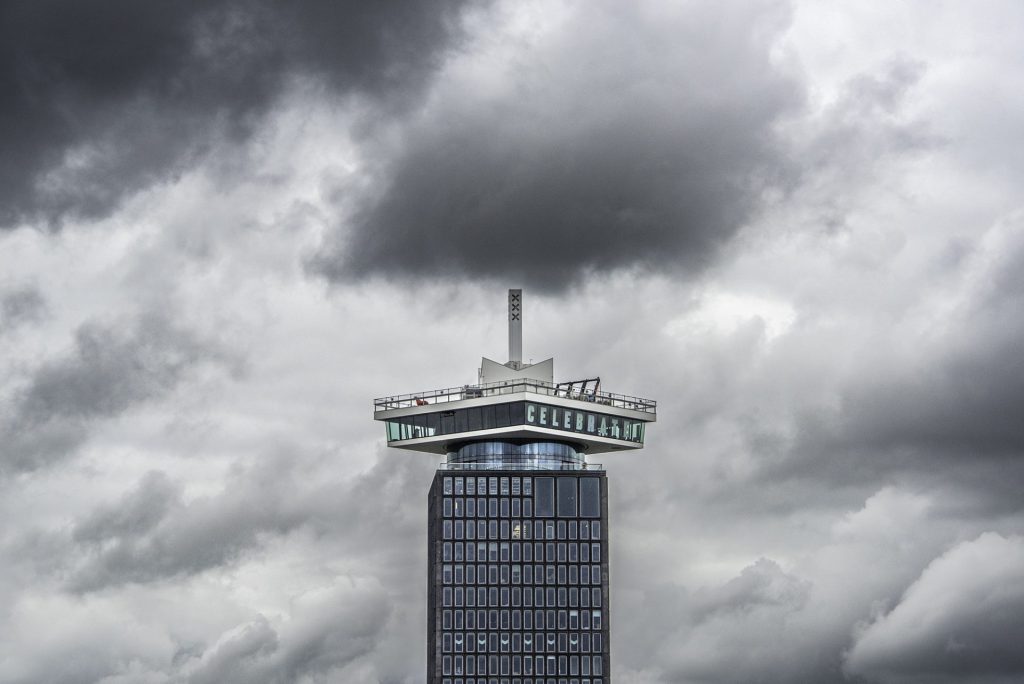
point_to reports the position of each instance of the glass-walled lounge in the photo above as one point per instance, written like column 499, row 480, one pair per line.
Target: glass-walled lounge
column 571, row 420
column 516, row 456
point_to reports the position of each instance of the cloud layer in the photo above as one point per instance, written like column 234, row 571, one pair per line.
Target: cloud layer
column 227, row 226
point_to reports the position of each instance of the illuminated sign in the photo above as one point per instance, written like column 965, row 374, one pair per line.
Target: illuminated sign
column 586, row 422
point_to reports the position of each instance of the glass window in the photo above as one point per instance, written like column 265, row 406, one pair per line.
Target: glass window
column 574, row 574
column 504, row 506
column 566, row 497
column 459, row 556
column 573, row 552
column 471, row 486
column 492, row 507
column 584, row 529
column 561, row 529
column 447, row 485
column 501, row 415
column 461, row 421
column 590, row 497
column 528, row 508
column 516, row 486
column 475, row 417
column 489, row 417
column 596, row 594
column 595, row 530
column 459, row 486
column 573, row 529
column 549, row 530
column 517, row 413
column 595, row 552
column 446, row 529
column 493, row 486
column 458, row 529
column 527, row 486
column 459, row 507
column 516, row 508
column 585, row 553
column 470, row 507
column 504, row 486
column 433, row 424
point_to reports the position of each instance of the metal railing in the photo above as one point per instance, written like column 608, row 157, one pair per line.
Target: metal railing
column 442, row 396
column 519, row 466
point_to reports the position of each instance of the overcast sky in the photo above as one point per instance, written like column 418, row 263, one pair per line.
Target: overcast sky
column 225, row 227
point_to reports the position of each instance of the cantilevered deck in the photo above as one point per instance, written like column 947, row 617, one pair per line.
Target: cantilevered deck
column 565, row 390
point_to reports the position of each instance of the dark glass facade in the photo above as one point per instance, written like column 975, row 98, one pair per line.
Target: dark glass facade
column 476, row 418
column 518, row 577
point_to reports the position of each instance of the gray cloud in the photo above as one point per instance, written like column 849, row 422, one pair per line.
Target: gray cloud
column 628, row 137
column 961, row 621
column 109, row 371
column 329, row 630
column 104, row 101
column 946, row 400
column 20, row 306
column 153, row 534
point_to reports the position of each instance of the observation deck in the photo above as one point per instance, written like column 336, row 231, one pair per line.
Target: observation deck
column 438, row 421
column 516, row 416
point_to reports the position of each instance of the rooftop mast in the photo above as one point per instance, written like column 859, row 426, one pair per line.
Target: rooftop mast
column 515, row 329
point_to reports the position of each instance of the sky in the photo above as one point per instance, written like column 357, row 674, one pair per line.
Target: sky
column 227, row 226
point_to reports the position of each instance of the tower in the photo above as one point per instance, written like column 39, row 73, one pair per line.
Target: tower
column 518, row 518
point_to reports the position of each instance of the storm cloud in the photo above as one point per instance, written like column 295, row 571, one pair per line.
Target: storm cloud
column 109, row 371
column 591, row 149
column 104, row 101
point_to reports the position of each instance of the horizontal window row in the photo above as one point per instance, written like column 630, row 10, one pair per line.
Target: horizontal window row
column 505, row 507
column 458, row 573
column 520, row 529
column 560, row 552
column 562, row 497
column 537, row 598
column 516, row 619
column 518, row 680
column 519, row 642
column 572, row 666
column 483, row 485
column 527, row 597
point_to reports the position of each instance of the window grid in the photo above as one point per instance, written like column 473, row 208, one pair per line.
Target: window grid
column 532, row 600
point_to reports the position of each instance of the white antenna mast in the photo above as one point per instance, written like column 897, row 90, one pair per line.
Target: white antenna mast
column 515, row 329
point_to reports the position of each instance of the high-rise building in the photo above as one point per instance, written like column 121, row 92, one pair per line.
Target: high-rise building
column 518, row 528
